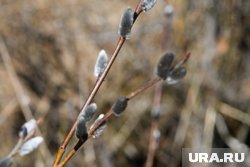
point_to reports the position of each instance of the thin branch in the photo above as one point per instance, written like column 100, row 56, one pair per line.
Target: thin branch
column 153, row 141
column 105, row 118
column 99, row 82
column 152, row 145
column 144, row 87
column 109, row 113
column 89, row 99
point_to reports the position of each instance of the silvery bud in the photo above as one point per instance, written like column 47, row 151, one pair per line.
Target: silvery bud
column 101, row 127
column 164, row 65
column 148, row 4
column 126, row 23
column 99, row 130
column 101, row 63
column 97, row 120
column 169, row 10
column 89, row 112
column 155, row 113
column 30, row 145
column 157, row 135
column 81, row 129
column 120, row 105
column 176, row 75
column 28, row 127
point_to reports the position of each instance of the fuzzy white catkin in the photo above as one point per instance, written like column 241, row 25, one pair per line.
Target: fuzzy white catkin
column 120, row 105
column 169, row 10
column 89, row 112
column 29, row 126
column 156, row 134
column 176, row 75
column 97, row 120
column 30, row 145
column 99, row 131
column 148, row 4
column 101, row 63
column 126, row 23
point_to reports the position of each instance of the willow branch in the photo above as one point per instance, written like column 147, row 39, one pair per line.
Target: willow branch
column 99, row 82
column 104, row 119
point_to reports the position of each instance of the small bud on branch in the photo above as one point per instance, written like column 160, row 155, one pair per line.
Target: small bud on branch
column 126, row 23
column 176, row 75
column 148, row 4
column 172, row 74
column 81, row 129
column 89, row 112
column 119, row 106
column 27, row 128
column 101, row 63
column 30, row 145
column 99, row 130
column 164, row 65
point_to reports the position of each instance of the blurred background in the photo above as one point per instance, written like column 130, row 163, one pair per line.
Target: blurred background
column 48, row 52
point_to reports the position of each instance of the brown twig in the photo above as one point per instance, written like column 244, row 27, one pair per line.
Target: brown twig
column 109, row 113
column 144, row 87
column 153, row 141
column 99, row 82
column 89, row 99
column 105, row 118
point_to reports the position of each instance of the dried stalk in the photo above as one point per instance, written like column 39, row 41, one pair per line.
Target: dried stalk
column 20, row 94
column 153, row 141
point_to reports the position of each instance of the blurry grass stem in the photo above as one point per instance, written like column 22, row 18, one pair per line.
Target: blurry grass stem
column 153, row 139
column 22, row 98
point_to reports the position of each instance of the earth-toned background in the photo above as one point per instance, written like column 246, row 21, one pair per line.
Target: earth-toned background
column 53, row 46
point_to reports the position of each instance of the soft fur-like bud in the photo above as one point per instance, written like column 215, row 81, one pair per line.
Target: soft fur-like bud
column 30, row 145
column 28, row 127
column 164, row 65
column 101, row 63
column 148, row 4
column 99, row 130
column 126, row 23
column 89, row 112
column 176, row 75
column 81, row 129
column 120, row 105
